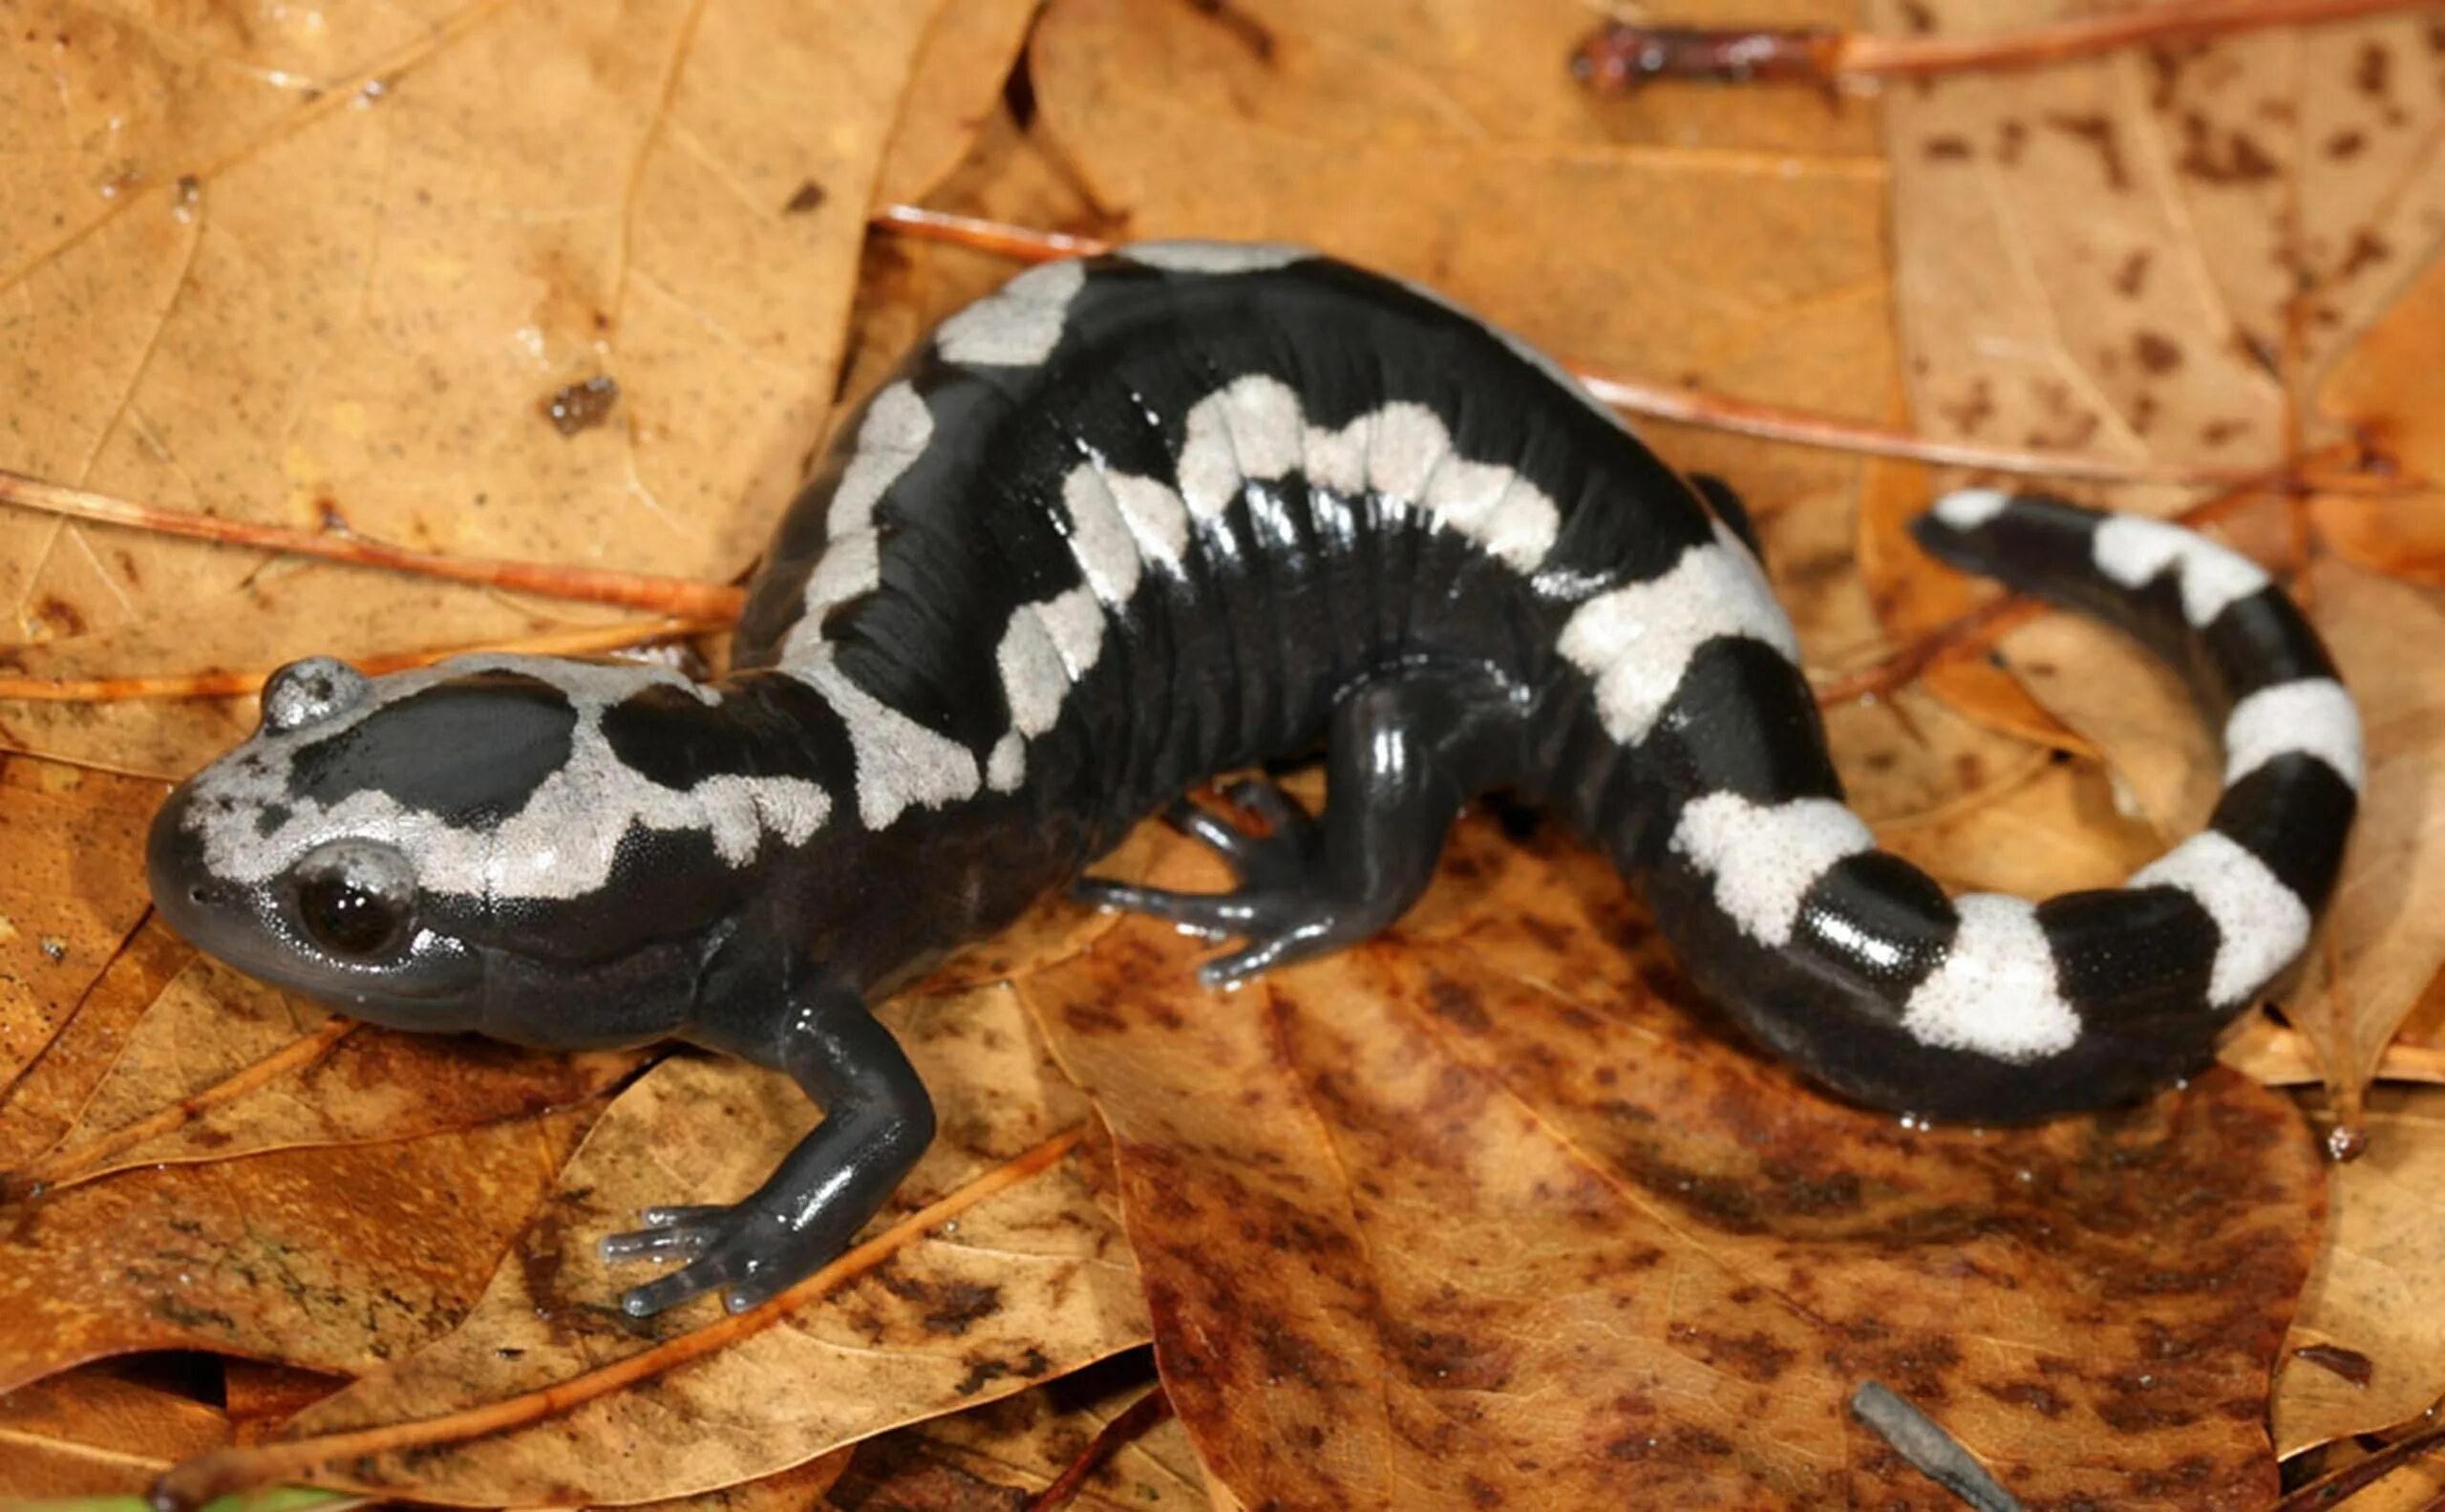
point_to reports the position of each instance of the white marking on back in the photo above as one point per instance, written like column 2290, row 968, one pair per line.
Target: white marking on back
column 1405, row 446
column 1635, row 642
column 1033, row 676
column 560, row 844
column 1019, row 325
column 1008, row 766
column 1157, row 517
column 1076, row 622
column 2133, row 550
column 1249, row 429
column 896, row 429
column 1996, row 991
column 1099, row 536
column 2315, row 716
column 1765, row 857
column 1968, row 508
column 2261, row 924
column 901, row 763
column 850, row 566
column 1492, row 505
column 1215, row 257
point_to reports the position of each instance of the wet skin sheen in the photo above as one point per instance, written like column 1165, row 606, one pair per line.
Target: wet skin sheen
column 1139, row 520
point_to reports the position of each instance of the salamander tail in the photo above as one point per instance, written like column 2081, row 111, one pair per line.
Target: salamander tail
column 1991, row 1008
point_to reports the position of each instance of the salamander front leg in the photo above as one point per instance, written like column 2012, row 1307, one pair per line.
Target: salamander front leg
column 1404, row 753
column 877, row 1120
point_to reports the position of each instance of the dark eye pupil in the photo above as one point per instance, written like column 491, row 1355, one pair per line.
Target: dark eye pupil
column 346, row 917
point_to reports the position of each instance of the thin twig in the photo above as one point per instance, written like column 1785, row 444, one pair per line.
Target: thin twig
column 1674, row 402
column 1960, row 635
column 1775, row 422
column 1133, row 1423
column 585, row 641
column 1976, row 629
column 76, row 1160
column 680, row 598
column 225, row 1471
column 1617, row 59
column 2332, row 1490
column 1018, row 243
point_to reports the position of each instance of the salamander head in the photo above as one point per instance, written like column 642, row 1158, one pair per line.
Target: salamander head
column 421, row 849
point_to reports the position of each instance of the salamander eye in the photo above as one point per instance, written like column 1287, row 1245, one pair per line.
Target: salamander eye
column 355, row 898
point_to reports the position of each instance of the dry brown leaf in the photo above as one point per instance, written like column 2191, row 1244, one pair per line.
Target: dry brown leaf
column 368, row 1086
column 2367, row 1349
column 1029, row 1284
column 1418, row 1233
column 2129, row 707
column 2058, row 830
column 334, row 1258
column 1912, row 601
column 72, row 887
column 2245, row 207
column 2390, row 391
column 338, row 268
column 285, row 611
column 259, row 1396
column 1021, row 1445
column 46, row 1100
column 2386, row 928
column 1416, row 71
column 90, row 1432
column 954, row 92
column 1746, row 273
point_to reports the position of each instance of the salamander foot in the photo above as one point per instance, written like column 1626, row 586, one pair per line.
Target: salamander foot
column 1284, row 905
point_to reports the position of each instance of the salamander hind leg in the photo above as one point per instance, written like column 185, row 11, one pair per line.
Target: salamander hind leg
column 1404, row 752
column 878, row 1121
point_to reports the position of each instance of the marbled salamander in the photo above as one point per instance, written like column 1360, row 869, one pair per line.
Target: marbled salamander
column 1136, row 520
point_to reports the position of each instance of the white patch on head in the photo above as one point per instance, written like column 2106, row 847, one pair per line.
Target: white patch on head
column 2132, row 550
column 562, row 841
column 1019, row 325
column 901, row 763
column 2315, row 716
column 1635, row 642
column 1765, row 857
column 2261, row 924
column 1996, row 992
column 1968, row 508
column 1215, row 257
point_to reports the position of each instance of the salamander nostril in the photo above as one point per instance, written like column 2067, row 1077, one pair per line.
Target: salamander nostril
column 199, row 893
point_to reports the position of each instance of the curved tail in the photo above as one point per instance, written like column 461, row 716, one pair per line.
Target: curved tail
column 1991, row 1008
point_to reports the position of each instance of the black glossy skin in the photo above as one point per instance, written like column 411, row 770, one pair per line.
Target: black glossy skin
column 1431, row 670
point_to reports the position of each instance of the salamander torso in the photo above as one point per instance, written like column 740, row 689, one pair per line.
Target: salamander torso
column 1139, row 519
